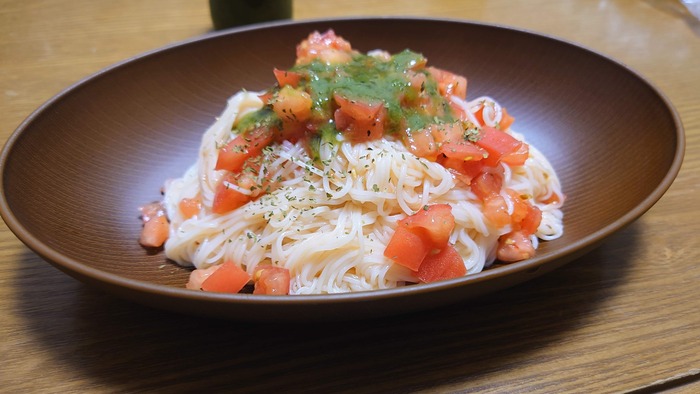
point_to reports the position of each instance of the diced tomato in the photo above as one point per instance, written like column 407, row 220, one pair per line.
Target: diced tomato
column 286, row 77
column 226, row 198
column 415, row 90
column 518, row 157
column 449, row 84
column 327, row 47
column 531, row 221
column 421, row 143
column 292, row 105
column 232, row 157
column 486, row 183
column 267, row 97
column 271, row 280
column 198, row 276
column 190, row 207
column 497, row 143
column 496, row 210
column 446, row 264
column 506, row 120
column 525, row 217
column 448, row 132
column 408, row 248
column 156, row 228
column 514, row 246
column 435, row 220
column 229, row 278
column 359, row 120
column 463, row 150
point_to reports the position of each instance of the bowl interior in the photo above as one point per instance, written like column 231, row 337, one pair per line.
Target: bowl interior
column 77, row 170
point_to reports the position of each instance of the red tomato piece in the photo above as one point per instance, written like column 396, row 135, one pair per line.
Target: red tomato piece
column 286, row 77
column 518, row 157
column 497, row 143
column 271, row 280
column 190, row 207
column 226, row 198
column 496, row 210
column 531, row 221
column 292, row 105
column 463, row 150
column 446, row 264
column 229, row 278
column 233, row 156
column 421, row 143
column 359, row 120
column 506, row 120
column 449, row 84
column 486, row 183
column 326, row 47
column 436, row 222
column 407, row 248
column 156, row 228
column 514, row 246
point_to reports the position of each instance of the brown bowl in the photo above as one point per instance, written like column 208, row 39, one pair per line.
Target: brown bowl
column 75, row 172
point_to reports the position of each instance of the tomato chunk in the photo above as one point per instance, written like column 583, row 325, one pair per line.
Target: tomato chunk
column 327, row 47
column 446, row 264
column 518, row 157
column 286, row 77
column 436, row 221
column 271, row 280
column 514, row 246
column 449, row 84
column 156, row 228
column 407, row 248
column 497, row 143
column 463, row 150
column 189, row 207
column 292, row 105
column 359, row 120
column 506, row 120
column 233, row 155
column 229, row 278
column 486, row 183
column 227, row 198
column 496, row 210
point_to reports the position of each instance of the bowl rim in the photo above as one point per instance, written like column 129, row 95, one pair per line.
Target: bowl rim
column 74, row 267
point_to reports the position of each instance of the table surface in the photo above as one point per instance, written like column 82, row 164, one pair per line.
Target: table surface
column 623, row 318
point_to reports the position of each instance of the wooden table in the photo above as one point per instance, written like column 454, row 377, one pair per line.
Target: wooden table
column 623, row 318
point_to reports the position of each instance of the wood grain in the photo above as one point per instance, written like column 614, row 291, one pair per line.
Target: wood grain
column 620, row 319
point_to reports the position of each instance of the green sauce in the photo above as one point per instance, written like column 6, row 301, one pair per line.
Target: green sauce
column 365, row 79
column 369, row 79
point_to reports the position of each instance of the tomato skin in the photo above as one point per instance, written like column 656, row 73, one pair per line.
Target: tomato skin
column 233, row 155
column 407, row 248
column 497, row 143
column 436, row 221
column 229, row 278
column 226, row 198
column 271, row 280
column 446, row 264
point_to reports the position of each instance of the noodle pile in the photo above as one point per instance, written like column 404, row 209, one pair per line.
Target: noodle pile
column 329, row 221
